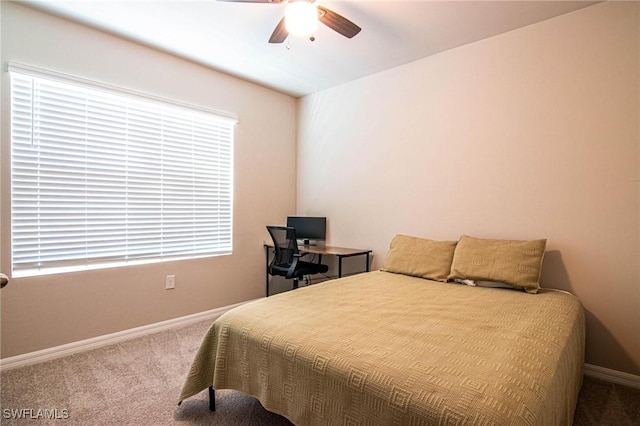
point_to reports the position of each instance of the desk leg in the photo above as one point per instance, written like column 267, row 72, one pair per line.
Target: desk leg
column 366, row 268
column 339, row 266
column 266, row 251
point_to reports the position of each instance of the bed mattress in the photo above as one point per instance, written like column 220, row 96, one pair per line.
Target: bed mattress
column 384, row 349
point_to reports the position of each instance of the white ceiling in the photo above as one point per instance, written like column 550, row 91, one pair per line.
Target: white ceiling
column 232, row 37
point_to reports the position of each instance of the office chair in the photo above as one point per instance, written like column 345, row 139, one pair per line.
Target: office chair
column 286, row 261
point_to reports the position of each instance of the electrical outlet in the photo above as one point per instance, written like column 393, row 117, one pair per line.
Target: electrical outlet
column 170, row 282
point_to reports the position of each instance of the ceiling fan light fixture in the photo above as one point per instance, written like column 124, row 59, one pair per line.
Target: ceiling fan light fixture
column 301, row 18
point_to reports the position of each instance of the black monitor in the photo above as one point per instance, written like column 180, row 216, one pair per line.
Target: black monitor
column 309, row 228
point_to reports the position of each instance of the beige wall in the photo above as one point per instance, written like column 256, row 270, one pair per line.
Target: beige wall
column 52, row 310
column 530, row 134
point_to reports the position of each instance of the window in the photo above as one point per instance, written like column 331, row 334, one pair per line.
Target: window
column 102, row 176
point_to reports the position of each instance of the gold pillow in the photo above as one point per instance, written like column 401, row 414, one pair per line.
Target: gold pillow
column 517, row 263
column 420, row 257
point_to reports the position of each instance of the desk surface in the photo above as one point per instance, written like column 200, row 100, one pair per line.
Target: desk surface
column 330, row 250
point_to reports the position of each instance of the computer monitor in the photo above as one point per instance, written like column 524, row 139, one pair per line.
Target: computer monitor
column 309, row 229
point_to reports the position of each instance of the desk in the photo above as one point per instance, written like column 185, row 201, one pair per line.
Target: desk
column 339, row 252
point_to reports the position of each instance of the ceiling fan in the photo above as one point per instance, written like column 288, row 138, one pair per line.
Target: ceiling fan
column 301, row 18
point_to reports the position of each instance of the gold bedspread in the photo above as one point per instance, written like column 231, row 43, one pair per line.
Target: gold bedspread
column 388, row 349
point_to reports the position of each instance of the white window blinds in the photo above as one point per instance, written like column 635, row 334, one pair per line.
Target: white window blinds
column 102, row 177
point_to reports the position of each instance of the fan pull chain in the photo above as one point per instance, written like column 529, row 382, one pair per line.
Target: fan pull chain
column 288, row 45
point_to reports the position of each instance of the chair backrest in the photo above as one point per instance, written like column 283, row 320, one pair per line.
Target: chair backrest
column 285, row 243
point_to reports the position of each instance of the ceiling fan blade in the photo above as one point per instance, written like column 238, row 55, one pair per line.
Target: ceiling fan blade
column 280, row 33
column 337, row 22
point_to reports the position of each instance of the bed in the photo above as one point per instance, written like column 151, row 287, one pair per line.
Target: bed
column 385, row 348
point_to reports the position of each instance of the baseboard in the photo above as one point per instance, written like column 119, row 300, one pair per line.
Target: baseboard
column 612, row 376
column 108, row 339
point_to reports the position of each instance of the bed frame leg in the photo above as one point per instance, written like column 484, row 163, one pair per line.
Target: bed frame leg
column 212, row 399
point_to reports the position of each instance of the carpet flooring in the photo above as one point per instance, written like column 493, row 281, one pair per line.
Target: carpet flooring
column 137, row 382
